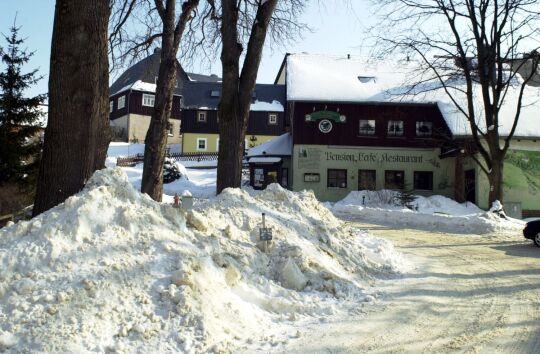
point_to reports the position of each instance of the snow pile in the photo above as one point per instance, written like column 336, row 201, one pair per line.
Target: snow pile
column 112, row 271
column 437, row 213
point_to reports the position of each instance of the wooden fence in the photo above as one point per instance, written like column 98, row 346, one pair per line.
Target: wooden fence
column 24, row 213
column 132, row 160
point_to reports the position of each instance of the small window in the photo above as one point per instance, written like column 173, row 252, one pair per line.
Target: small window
column 111, row 106
column 121, row 102
column 424, row 129
column 201, row 144
column 170, row 127
column 423, row 180
column 367, row 127
column 215, row 93
column 179, row 127
column 272, row 118
column 201, row 117
column 394, row 179
column 367, row 180
column 148, row 100
column 395, row 128
column 337, row 179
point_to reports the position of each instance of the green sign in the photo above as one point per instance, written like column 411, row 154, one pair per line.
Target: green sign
column 329, row 115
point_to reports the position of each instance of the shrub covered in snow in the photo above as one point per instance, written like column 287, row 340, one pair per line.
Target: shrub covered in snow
column 171, row 170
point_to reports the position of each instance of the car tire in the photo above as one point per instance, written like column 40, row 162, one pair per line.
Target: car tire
column 536, row 239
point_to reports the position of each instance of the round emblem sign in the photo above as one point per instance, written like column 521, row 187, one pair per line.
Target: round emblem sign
column 325, row 126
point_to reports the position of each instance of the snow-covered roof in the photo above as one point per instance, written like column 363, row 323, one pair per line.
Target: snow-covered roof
column 274, row 106
column 341, row 79
column 279, row 146
column 264, row 159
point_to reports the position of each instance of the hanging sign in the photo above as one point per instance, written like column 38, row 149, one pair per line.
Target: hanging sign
column 325, row 126
column 327, row 115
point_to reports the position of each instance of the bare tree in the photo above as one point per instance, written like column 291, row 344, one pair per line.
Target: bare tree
column 168, row 27
column 156, row 137
column 77, row 134
column 242, row 23
column 473, row 50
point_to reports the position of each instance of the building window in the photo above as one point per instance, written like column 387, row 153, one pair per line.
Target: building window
column 337, row 179
column 201, row 144
column 284, row 177
column 201, row 117
column 394, row 179
column 121, row 102
column 423, row 180
column 367, row 180
column 170, row 127
column 367, row 127
column 179, row 128
column 272, row 118
column 395, row 128
column 148, row 100
column 424, row 129
column 111, row 106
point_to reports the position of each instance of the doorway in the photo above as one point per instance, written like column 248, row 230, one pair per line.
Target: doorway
column 470, row 186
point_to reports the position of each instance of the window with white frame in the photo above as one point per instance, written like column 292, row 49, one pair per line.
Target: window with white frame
column 201, row 116
column 272, row 118
column 424, row 129
column 148, row 100
column 201, row 144
column 111, row 106
column 367, row 127
column 395, row 128
column 121, row 102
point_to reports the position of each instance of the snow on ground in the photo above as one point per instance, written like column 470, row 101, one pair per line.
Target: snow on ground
column 435, row 213
column 110, row 270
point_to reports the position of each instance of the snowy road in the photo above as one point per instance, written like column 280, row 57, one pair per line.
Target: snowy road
column 469, row 294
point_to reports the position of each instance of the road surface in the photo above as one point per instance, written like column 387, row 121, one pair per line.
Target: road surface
column 467, row 294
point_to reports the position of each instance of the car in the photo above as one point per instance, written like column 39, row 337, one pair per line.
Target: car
column 532, row 231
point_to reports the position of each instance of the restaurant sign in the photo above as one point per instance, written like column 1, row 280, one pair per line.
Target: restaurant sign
column 374, row 157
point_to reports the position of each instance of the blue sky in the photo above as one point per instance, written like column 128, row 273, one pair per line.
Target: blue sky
column 337, row 29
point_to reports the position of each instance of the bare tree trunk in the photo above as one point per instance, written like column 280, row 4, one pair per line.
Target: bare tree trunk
column 495, row 178
column 77, row 134
column 237, row 88
column 156, row 137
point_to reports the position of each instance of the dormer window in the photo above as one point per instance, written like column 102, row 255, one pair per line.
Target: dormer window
column 201, row 116
column 424, row 129
column 272, row 118
column 395, row 128
column 366, row 79
column 367, row 127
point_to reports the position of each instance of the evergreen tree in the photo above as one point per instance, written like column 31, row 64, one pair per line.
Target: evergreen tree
column 20, row 145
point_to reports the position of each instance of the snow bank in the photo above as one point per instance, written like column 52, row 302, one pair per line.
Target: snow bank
column 437, row 213
column 112, row 271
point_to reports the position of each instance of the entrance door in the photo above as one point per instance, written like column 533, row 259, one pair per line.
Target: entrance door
column 470, row 186
column 367, row 180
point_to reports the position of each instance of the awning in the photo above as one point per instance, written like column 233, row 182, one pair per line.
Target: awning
column 265, row 160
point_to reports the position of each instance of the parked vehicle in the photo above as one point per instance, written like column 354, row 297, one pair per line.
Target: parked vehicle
column 532, row 231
